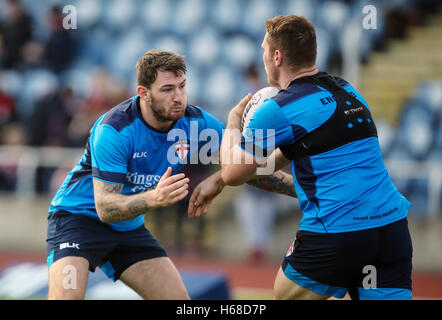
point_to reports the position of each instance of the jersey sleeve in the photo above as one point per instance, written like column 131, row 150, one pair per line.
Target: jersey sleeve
column 268, row 129
column 109, row 153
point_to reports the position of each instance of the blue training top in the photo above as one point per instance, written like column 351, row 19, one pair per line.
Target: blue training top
column 345, row 188
column 123, row 148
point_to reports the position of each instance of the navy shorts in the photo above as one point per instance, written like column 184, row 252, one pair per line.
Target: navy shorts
column 368, row 264
column 113, row 251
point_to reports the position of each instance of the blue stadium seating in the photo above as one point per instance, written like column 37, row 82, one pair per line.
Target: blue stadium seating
column 416, row 131
column 36, row 85
column 332, row 16
column 226, row 15
column 419, row 138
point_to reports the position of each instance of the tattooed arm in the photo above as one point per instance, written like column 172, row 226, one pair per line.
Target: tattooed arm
column 112, row 206
column 279, row 182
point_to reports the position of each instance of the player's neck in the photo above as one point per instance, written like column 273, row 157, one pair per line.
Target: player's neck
column 287, row 78
column 149, row 117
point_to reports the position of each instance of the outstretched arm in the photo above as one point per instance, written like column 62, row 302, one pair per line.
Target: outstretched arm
column 207, row 190
column 204, row 193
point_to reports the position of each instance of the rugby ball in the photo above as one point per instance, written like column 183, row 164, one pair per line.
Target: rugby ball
column 257, row 99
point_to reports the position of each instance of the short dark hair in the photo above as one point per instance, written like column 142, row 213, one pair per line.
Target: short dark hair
column 158, row 60
column 295, row 37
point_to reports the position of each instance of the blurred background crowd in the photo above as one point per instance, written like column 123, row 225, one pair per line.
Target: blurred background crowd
column 55, row 82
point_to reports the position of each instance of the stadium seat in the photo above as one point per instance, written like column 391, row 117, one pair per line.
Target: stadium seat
column 371, row 36
column 430, row 94
column 398, row 153
column 155, row 15
column 220, row 91
column 255, row 17
column 226, row 15
column 323, row 50
column 417, row 194
column 93, row 47
column 204, row 47
column 119, row 15
column 125, row 52
column 36, row 85
column 354, row 40
column 386, row 135
column 188, row 16
column 11, row 82
column 239, row 51
column 194, row 81
column 169, row 43
column 89, row 13
column 79, row 78
column 435, row 156
column 419, row 138
column 417, row 130
column 333, row 16
column 301, row 8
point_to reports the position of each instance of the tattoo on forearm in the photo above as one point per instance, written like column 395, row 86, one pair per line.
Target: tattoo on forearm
column 113, row 213
column 115, row 207
column 137, row 206
column 279, row 182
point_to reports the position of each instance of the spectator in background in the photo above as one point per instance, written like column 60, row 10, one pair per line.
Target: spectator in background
column 11, row 134
column 103, row 94
column 15, row 32
column 59, row 50
column 56, row 53
column 50, row 118
column 7, row 108
column 32, row 53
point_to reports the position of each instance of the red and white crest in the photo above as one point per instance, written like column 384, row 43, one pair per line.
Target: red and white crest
column 182, row 148
column 290, row 250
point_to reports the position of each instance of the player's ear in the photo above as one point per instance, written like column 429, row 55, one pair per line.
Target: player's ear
column 278, row 57
column 143, row 92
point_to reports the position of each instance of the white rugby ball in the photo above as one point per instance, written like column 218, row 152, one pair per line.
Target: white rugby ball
column 257, row 99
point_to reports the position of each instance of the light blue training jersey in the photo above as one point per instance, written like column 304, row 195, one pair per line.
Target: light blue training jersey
column 343, row 189
column 122, row 148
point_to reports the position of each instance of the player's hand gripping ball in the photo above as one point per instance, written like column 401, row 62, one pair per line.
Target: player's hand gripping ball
column 257, row 99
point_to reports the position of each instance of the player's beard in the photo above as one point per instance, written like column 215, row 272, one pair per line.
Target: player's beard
column 164, row 114
column 272, row 75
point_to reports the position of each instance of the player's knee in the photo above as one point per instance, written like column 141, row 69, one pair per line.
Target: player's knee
column 182, row 295
column 66, row 289
column 278, row 292
column 180, row 292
